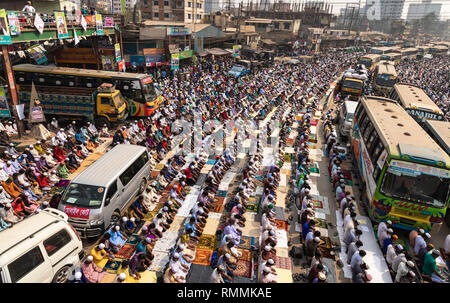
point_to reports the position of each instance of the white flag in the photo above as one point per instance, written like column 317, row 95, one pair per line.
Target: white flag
column 39, row 23
column 83, row 23
column 75, row 36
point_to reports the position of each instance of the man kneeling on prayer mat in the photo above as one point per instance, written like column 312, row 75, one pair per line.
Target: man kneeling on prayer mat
column 173, row 275
column 92, row 272
column 100, row 256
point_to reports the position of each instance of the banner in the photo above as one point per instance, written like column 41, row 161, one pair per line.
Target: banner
column 37, row 54
column 235, row 51
column 151, row 60
column 4, row 107
column 107, row 63
column 39, row 23
column 36, row 112
column 83, row 23
column 123, row 6
column 109, row 22
column 178, row 31
column 14, row 25
column 61, row 26
column 99, row 24
column 184, row 54
column 75, row 37
column 5, row 38
column 117, row 52
column 20, row 111
column 121, row 65
column 153, row 51
column 175, row 62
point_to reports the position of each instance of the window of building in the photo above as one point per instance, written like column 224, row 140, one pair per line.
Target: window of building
column 166, row 3
column 189, row 16
column 287, row 25
column 166, row 15
column 156, row 15
column 189, row 5
column 155, row 3
column 199, row 16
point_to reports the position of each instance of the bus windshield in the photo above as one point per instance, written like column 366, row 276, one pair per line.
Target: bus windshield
column 118, row 100
column 150, row 92
column 352, row 84
column 83, row 195
column 427, row 189
column 366, row 62
column 385, row 80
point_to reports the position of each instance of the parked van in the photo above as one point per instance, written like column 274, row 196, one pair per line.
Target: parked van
column 96, row 197
column 346, row 117
column 41, row 248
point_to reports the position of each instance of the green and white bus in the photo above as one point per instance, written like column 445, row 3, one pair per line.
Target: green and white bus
column 405, row 173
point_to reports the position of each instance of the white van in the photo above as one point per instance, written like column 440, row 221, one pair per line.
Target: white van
column 346, row 117
column 40, row 249
column 96, row 197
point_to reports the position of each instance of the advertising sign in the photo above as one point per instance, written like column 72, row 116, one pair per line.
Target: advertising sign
column 107, row 63
column 37, row 54
column 117, row 52
column 178, row 31
column 175, row 62
column 109, row 22
column 4, row 107
column 99, row 24
column 61, row 26
column 83, row 23
column 235, row 51
column 14, row 25
column 5, row 37
column 153, row 51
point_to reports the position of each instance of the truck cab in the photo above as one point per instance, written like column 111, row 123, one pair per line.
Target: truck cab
column 110, row 105
column 242, row 68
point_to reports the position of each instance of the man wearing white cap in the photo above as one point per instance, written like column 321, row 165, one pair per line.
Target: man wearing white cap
column 267, row 276
column 61, row 135
column 121, row 278
column 11, row 150
column 403, row 269
column 217, row 275
column 420, row 242
column 92, row 272
column 100, row 255
column 9, row 215
column 386, row 233
column 383, row 227
column 390, row 254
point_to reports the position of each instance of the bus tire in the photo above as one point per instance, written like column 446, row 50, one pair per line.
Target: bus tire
column 100, row 121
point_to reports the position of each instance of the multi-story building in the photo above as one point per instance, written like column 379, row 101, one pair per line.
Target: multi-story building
column 384, row 9
column 117, row 6
column 420, row 10
column 188, row 11
column 212, row 6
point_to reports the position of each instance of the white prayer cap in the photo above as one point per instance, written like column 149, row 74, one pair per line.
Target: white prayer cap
column 124, row 219
column 200, row 211
column 38, row 210
column 144, row 228
column 271, row 233
column 78, row 275
column 227, row 255
column 428, row 235
column 122, row 276
column 389, row 222
column 132, row 219
column 61, row 129
column 7, row 152
column 9, row 162
column 170, row 202
column 270, row 261
column 176, row 255
column 101, row 246
column 14, row 157
column 181, row 246
column 267, row 248
column 8, row 205
column 399, row 247
column 11, row 144
column 27, row 194
column 422, row 231
column 90, row 258
column 317, row 239
column 390, row 230
column 410, row 264
column 266, row 269
column 165, row 208
column 117, row 227
column 38, row 142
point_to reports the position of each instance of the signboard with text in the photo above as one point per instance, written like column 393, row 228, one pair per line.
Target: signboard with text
column 61, row 26
column 4, row 107
column 5, row 37
column 178, row 31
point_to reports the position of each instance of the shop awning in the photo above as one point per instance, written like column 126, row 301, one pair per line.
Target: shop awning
column 217, row 51
column 268, row 41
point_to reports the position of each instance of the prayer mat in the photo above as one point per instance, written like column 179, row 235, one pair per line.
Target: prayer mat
column 317, row 204
column 314, row 167
column 154, row 174
column 246, row 242
column 211, row 162
column 112, row 266
column 214, row 215
column 218, row 200
column 252, row 207
column 246, row 254
column 259, row 177
column 207, row 242
column 347, row 174
column 203, row 256
column 287, row 157
column 159, row 166
column 243, row 269
column 286, row 171
column 126, row 251
column 284, row 276
column 221, row 193
column 133, row 239
column 284, row 263
column 321, row 223
column 211, row 226
column 348, row 182
column 150, row 215
column 281, row 224
column 216, row 208
column 314, row 122
column 325, row 242
column 63, row 183
column 313, row 138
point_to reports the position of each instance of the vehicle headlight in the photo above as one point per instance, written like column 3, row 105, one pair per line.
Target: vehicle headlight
column 96, row 222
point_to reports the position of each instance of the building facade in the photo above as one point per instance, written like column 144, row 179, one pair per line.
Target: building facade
column 420, row 10
column 188, row 11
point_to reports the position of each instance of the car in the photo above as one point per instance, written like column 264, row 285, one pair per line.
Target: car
column 238, row 71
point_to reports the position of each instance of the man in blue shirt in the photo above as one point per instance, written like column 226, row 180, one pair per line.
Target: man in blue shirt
column 306, row 228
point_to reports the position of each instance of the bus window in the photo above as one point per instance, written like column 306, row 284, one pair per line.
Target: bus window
column 362, row 118
column 375, row 154
column 21, row 77
column 359, row 110
column 41, row 79
column 69, row 81
column 367, row 132
column 89, row 83
column 59, row 80
column 372, row 137
column 364, row 123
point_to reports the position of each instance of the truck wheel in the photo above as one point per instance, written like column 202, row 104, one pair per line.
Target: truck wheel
column 142, row 186
column 115, row 217
column 100, row 121
column 62, row 275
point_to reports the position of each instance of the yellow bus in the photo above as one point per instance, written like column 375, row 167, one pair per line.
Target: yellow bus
column 142, row 97
column 441, row 50
column 409, row 53
column 384, row 78
column 394, row 57
column 416, row 102
column 382, row 50
column 404, row 172
column 369, row 60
